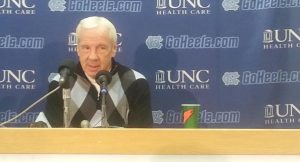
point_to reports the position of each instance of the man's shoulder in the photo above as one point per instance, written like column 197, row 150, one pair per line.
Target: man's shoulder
column 128, row 73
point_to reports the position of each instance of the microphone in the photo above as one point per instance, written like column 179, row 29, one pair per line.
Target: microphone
column 65, row 70
column 85, row 124
column 103, row 78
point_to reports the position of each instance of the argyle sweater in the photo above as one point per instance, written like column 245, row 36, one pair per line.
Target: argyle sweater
column 128, row 100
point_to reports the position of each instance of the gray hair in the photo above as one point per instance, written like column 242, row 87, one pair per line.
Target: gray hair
column 96, row 21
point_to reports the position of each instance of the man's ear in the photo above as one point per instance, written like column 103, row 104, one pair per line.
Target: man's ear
column 114, row 50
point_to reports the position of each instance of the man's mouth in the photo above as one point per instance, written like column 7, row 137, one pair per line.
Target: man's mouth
column 93, row 67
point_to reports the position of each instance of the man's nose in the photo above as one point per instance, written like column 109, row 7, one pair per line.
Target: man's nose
column 93, row 55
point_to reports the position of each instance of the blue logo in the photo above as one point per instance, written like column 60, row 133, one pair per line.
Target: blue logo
column 154, row 42
column 231, row 78
column 53, row 76
column 230, row 5
column 158, row 116
column 57, row 5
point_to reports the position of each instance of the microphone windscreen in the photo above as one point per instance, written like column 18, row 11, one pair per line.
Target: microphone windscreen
column 103, row 76
column 69, row 64
column 85, row 124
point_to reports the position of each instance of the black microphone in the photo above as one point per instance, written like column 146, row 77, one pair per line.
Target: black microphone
column 103, row 77
column 65, row 70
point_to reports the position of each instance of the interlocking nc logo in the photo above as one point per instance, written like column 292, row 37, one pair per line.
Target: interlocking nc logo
column 53, row 76
column 157, row 116
column 154, row 42
column 231, row 78
column 57, row 5
column 230, row 5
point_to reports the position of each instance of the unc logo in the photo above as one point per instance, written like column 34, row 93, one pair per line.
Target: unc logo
column 230, row 5
column 53, row 76
column 57, row 5
column 72, row 39
column 269, row 111
column 157, row 116
column 231, row 78
column 160, row 76
column 154, row 42
column 268, row 36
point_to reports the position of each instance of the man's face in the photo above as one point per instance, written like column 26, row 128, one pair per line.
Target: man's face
column 95, row 50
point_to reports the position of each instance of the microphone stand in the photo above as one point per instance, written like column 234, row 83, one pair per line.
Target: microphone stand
column 66, row 97
column 103, row 92
column 28, row 108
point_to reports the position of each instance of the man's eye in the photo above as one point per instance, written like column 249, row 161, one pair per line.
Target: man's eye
column 103, row 47
column 85, row 48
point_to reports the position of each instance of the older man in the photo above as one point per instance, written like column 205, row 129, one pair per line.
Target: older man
column 128, row 98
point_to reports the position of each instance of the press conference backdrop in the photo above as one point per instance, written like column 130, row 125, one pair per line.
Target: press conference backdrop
column 238, row 59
